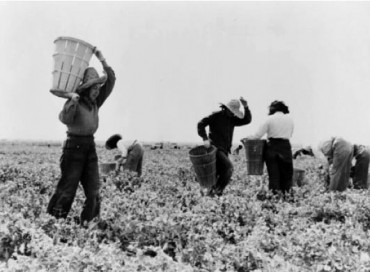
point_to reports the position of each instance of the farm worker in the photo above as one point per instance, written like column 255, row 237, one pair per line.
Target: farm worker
column 131, row 153
column 278, row 128
column 307, row 150
column 340, row 154
column 221, row 129
column 79, row 161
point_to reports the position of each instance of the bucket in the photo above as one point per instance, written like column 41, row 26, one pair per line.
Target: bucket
column 204, row 162
column 71, row 58
column 254, row 155
column 107, row 167
column 298, row 176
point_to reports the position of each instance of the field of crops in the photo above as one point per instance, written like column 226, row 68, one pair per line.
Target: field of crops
column 161, row 222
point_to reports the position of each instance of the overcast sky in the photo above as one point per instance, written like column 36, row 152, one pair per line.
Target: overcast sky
column 176, row 61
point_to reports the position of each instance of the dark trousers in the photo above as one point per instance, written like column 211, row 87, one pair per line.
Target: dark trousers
column 361, row 170
column 224, row 171
column 134, row 161
column 79, row 162
column 279, row 163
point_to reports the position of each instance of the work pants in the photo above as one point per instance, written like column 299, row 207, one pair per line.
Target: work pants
column 224, row 171
column 279, row 163
column 79, row 162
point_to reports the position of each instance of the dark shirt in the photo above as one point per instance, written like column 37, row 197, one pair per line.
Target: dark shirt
column 80, row 119
column 221, row 128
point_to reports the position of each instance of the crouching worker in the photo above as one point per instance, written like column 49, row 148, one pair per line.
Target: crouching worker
column 132, row 153
column 79, row 161
column 221, row 129
column 340, row 154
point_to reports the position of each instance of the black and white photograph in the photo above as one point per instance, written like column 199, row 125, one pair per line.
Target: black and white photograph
column 185, row 136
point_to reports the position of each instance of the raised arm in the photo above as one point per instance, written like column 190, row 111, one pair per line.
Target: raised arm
column 247, row 115
column 107, row 88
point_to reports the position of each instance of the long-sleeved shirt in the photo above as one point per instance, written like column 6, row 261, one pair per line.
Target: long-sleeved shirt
column 221, row 128
column 81, row 120
column 278, row 125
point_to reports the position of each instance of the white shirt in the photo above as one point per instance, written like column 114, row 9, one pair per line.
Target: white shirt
column 123, row 146
column 278, row 125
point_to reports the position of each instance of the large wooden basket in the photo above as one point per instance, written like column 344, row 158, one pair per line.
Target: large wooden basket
column 204, row 163
column 71, row 58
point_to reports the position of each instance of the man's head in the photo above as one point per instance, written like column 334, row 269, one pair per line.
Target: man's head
column 94, row 92
column 91, row 83
column 326, row 147
column 276, row 106
column 112, row 141
column 233, row 108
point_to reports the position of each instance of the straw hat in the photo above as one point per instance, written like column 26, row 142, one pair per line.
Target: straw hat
column 233, row 105
column 91, row 77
